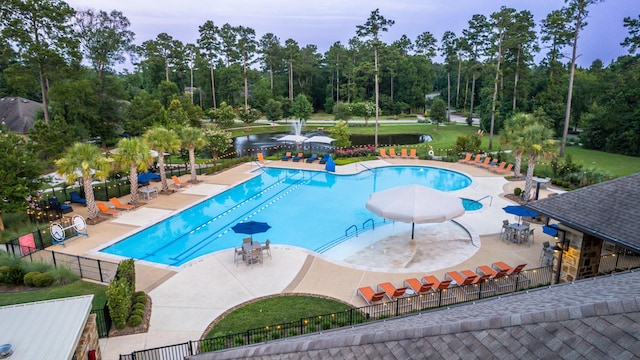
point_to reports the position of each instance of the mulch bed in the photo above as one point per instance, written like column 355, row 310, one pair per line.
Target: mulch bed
column 142, row 328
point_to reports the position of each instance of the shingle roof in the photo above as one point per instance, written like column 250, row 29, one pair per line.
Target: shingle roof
column 18, row 113
column 609, row 210
column 593, row 318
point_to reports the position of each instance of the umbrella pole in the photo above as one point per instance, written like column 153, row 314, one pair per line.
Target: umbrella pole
column 412, row 228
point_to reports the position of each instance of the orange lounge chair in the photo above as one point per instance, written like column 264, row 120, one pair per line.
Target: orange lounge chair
column 417, row 286
column 391, row 291
column 413, row 154
column 505, row 171
column 490, row 165
column 370, row 296
column 467, row 158
column 484, row 163
column 499, row 168
column 498, row 278
column 105, row 209
column 461, row 279
column 178, row 183
column 404, row 154
column 383, row 153
column 392, row 153
column 475, row 160
column 437, row 284
column 261, row 158
column 119, row 205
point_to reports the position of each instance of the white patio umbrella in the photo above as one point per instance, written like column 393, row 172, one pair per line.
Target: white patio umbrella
column 415, row 204
column 320, row 139
column 294, row 138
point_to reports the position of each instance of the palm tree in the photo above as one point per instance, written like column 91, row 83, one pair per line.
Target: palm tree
column 85, row 158
column 162, row 140
column 537, row 141
column 134, row 153
column 510, row 135
column 192, row 139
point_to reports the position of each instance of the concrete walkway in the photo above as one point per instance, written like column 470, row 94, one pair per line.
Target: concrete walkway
column 188, row 299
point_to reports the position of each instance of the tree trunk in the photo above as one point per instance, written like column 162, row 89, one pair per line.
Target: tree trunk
column 290, row 80
column 515, row 81
column 166, row 69
column 1, row 223
column 495, row 94
column 375, row 57
column 518, row 165
column 163, row 175
column 271, row 76
column 192, row 162
column 43, row 90
column 133, row 180
column 448, row 97
column 528, row 184
column 213, row 86
column 92, row 209
column 458, row 85
column 246, row 85
column 473, row 90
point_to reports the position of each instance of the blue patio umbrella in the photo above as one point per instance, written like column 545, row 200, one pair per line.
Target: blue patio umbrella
column 250, row 227
column 519, row 211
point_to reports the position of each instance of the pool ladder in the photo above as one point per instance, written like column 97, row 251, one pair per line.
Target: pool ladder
column 482, row 198
column 364, row 224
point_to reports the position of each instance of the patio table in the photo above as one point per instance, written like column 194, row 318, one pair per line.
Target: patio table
column 517, row 231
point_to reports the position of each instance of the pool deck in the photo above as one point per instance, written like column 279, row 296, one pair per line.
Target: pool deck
column 186, row 300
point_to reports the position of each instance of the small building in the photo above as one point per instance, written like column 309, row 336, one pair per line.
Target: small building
column 18, row 114
column 52, row 329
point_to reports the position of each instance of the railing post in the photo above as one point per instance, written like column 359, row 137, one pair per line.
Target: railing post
column 100, row 270
column 79, row 266
column 53, row 256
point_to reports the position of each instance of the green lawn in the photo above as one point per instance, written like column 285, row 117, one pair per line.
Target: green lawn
column 78, row 288
column 273, row 311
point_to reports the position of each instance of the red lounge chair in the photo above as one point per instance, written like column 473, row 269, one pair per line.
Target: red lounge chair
column 370, row 296
column 417, row 286
column 391, row 291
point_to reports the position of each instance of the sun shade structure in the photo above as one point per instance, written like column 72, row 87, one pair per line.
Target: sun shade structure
column 293, row 138
column 251, row 227
column 415, row 204
column 320, row 139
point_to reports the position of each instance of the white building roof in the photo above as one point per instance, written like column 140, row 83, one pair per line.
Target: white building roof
column 45, row 329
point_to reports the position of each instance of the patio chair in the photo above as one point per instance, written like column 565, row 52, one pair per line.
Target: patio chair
column 475, row 160
column 298, row 157
column 392, row 292
column 255, row 257
column 504, row 171
column 483, row 163
column 417, row 286
column 325, row 158
column 119, row 205
column 467, row 158
column 261, row 158
column 267, row 248
column 104, row 209
column 238, row 255
column 459, row 278
column 312, row 158
column 413, row 154
column 179, row 183
column 76, row 198
column 497, row 278
column 490, row 165
column 370, row 296
column 59, row 208
column 441, row 287
column 392, row 153
column 404, row 154
column 383, row 153
column 286, row 156
column 499, row 168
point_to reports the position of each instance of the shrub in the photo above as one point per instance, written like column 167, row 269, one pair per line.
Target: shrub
column 127, row 270
column 63, row 276
column 138, row 306
column 139, row 312
column 140, row 299
column 4, row 269
column 1, row 277
column 517, row 191
column 15, row 275
column 134, row 320
column 42, row 280
column 37, row 266
column 119, row 301
column 28, row 278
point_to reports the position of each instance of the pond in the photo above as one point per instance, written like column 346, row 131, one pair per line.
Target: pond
column 268, row 143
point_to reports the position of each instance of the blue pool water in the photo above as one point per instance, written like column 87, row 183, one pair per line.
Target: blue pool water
column 308, row 209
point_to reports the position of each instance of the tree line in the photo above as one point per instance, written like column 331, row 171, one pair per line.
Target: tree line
column 66, row 59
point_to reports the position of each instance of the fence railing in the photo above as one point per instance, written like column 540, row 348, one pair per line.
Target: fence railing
column 103, row 322
column 403, row 306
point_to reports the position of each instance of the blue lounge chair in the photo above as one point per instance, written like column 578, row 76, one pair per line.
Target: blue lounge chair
column 325, row 158
column 75, row 198
column 313, row 158
column 298, row 157
column 59, row 208
column 144, row 178
column 287, row 156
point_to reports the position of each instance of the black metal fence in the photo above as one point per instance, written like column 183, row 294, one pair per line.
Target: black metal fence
column 527, row 279
column 103, row 322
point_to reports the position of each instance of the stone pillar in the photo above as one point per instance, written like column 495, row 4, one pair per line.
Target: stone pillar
column 581, row 259
column 89, row 340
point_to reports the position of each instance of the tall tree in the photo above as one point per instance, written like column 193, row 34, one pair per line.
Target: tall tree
column 292, row 53
column 104, row 37
column 247, row 46
column 579, row 12
column 633, row 40
column 448, row 46
column 134, row 154
column 41, row 32
column 521, row 44
column 537, row 142
column 555, row 31
column 501, row 21
column 270, row 49
column 86, row 159
column 20, row 172
column 371, row 29
column 228, row 40
column 510, row 135
column 162, row 140
column 210, row 45
column 476, row 40
column 165, row 48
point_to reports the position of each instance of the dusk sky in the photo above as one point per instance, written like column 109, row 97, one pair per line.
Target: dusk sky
column 323, row 22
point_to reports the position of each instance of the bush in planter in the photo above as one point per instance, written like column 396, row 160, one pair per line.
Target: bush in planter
column 28, row 278
column 517, row 191
column 134, row 320
column 15, row 275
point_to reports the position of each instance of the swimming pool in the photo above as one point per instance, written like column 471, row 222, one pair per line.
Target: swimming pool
column 308, row 209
